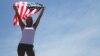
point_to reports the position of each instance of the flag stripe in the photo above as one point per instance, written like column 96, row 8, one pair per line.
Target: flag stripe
column 24, row 11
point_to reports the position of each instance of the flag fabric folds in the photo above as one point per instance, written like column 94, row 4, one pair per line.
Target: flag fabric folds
column 26, row 9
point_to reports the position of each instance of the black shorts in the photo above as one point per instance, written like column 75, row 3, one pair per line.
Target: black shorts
column 25, row 45
column 28, row 48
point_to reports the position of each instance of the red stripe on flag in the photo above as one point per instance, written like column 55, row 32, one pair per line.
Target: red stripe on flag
column 23, row 11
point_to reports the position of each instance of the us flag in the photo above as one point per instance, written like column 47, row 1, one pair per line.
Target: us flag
column 25, row 9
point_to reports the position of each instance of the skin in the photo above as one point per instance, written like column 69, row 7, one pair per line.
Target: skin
column 29, row 21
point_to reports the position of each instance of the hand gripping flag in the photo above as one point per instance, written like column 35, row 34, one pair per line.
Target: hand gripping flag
column 26, row 9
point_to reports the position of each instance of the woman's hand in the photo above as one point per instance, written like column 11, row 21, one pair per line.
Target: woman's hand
column 15, row 8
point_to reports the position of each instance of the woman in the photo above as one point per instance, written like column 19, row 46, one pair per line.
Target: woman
column 28, row 31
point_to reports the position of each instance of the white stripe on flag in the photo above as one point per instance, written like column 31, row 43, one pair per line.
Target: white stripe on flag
column 24, row 9
column 27, row 11
column 32, row 12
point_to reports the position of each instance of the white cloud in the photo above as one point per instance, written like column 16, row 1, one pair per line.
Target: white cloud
column 69, row 45
column 85, row 28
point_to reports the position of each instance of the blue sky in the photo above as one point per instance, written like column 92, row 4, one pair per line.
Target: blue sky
column 67, row 28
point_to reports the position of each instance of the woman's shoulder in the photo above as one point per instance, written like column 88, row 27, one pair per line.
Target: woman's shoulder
column 30, row 28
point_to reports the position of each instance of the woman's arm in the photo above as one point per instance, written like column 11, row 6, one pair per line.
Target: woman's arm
column 22, row 25
column 38, row 19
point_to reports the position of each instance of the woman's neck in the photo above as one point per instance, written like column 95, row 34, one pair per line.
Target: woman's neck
column 28, row 26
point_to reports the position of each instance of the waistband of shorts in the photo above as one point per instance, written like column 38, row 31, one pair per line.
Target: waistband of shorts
column 26, row 44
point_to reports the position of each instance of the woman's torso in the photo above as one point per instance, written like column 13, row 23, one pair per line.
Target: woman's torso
column 28, row 35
